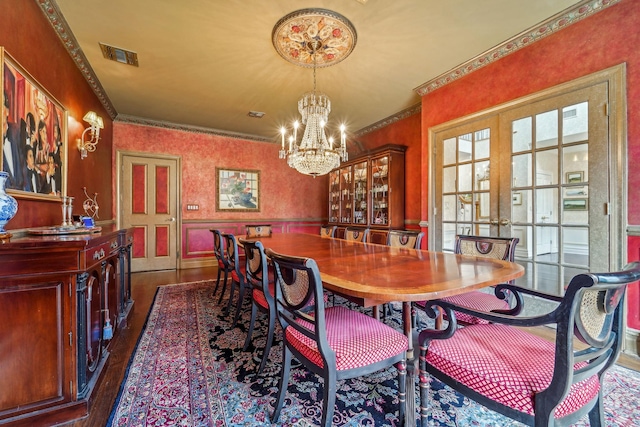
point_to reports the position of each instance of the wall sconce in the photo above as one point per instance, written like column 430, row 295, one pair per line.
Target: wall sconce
column 89, row 145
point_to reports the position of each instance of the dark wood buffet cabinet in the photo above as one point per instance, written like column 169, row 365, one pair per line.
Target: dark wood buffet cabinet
column 62, row 299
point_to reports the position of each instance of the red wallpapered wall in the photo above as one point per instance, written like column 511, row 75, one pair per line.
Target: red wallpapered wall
column 404, row 132
column 289, row 200
column 605, row 39
column 28, row 37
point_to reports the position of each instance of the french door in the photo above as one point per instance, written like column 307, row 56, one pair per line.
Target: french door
column 538, row 170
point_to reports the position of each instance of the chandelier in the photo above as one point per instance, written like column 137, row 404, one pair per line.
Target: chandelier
column 313, row 38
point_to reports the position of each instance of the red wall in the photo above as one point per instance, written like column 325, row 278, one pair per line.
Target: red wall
column 28, row 37
column 289, row 200
column 404, row 132
column 608, row 38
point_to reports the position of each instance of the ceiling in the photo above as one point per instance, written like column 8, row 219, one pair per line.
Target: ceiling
column 207, row 63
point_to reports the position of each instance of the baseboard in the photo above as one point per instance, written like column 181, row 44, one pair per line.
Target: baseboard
column 197, row 263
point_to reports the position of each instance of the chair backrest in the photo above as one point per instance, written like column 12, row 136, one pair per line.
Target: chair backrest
column 339, row 233
column 405, row 238
column 256, row 266
column 219, row 247
column 590, row 311
column 328, row 230
column 356, row 234
column 258, row 230
column 230, row 252
column 298, row 287
column 379, row 237
column 503, row 248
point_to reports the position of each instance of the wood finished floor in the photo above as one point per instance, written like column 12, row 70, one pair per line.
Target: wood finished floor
column 143, row 289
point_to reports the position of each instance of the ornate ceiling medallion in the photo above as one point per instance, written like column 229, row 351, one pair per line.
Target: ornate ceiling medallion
column 297, row 35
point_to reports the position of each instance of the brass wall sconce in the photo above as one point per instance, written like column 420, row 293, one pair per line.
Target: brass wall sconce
column 86, row 146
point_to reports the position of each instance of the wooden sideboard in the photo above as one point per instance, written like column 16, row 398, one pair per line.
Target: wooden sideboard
column 62, row 300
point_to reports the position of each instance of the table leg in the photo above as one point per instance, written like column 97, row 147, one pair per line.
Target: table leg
column 410, row 409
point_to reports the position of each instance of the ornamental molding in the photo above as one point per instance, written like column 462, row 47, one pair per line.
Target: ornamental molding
column 415, row 109
column 550, row 26
column 124, row 118
column 61, row 27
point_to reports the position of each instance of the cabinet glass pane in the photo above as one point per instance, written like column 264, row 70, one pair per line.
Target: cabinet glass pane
column 346, row 192
column 334, row 196
column 380, row 190
column 360, row 193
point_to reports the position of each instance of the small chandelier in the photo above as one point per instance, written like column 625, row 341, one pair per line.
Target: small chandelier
column 303, row 37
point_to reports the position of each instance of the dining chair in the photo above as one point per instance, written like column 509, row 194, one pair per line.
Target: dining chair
column 328, row 230
column 379, row 237
column 333, row 342
column 258, row 230
column 354, row 234
column 506, row 368
column 405, row 239
column 260, row 281
column 238, row 275
column 502, row 248
column 224, row 267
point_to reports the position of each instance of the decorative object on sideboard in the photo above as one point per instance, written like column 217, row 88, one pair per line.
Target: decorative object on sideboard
column 67, row 211
column 314, row 38
column 8, row 207
column 90, row 205
column 86, row 146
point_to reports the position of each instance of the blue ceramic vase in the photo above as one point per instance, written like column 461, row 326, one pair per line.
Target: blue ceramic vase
column 8, row 205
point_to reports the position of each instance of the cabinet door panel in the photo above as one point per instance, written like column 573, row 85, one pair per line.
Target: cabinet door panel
column 33, row 373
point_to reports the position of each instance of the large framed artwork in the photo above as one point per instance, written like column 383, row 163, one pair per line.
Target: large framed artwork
column 237, row 190
column 34, row 135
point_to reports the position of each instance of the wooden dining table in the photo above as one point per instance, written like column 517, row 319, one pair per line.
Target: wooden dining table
column 371, row 274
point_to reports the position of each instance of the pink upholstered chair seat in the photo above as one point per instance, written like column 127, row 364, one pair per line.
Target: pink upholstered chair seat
column 479, row 301
column 258, row 296
column 243, row 271
column 507, row 365
column 357, row 339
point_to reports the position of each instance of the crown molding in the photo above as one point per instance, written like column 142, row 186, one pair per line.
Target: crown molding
column 550, row 26
column 123, row 118
column 61, row 27
column 415, row 109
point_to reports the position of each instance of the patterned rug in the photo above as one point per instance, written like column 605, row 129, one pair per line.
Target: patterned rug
column 189, row 370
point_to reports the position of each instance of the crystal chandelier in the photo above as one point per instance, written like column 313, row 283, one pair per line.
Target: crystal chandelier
column 307, row 37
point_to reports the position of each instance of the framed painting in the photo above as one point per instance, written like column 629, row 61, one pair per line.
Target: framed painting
column 34, row 135
column 575, row 204
column 573, row 177
column 237, row 190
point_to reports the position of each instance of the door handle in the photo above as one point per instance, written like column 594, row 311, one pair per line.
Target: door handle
column 506, row 222
column 172, row 219
column 494, row 221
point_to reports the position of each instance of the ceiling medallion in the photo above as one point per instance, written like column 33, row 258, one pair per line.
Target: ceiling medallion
column 300, row 34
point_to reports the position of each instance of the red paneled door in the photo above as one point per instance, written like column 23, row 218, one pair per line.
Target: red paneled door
column 149, row 204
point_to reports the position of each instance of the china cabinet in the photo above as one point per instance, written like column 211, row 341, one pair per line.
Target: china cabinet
column 369, row 191
column 64, row 299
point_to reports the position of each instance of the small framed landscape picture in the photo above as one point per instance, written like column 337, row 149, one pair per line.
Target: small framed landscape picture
column 573, row 177
column 237, row 190
column 575, row 204
column 516, row 198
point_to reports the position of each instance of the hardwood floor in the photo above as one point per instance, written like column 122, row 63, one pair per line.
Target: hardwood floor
column 143, row 289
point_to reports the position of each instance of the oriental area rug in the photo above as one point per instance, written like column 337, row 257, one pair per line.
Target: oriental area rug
column 189, row 369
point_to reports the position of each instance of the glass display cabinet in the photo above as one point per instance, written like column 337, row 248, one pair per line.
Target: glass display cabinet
column 369, row 190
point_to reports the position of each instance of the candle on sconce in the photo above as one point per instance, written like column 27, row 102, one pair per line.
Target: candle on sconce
column 295, row 130
column 342, row 135
column 290, row 143
column 330, row 143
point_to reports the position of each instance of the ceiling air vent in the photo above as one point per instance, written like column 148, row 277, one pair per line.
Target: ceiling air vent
column 255, row 114
column 119, row 55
